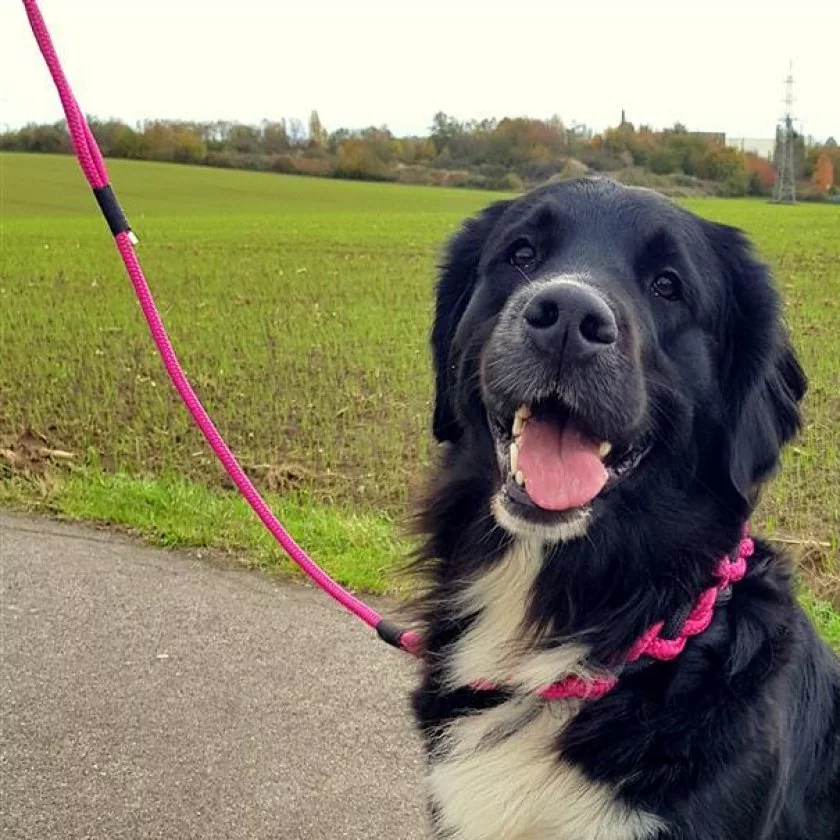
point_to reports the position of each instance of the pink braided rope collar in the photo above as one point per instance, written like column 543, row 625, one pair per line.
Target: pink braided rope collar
column 651, row 643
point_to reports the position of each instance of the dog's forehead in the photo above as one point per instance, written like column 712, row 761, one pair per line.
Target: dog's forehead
column 597, row 208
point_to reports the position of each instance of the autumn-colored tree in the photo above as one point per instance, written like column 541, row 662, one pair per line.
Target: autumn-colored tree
column 520, row 140
column 823, row 176
column 833, row 153
column 620, row 139
column 761, row 175
column 357, row 158
column 720, row 163
column 416, row 150
column 645, row 144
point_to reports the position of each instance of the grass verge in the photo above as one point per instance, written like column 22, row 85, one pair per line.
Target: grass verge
column 363, row 551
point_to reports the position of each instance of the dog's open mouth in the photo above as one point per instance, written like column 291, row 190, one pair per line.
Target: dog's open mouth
column 551, row 463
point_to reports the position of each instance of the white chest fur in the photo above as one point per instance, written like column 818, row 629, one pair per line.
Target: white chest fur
column 497, row 775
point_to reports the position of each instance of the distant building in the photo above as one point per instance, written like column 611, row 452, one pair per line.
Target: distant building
column 715, row 138
column 763, row 147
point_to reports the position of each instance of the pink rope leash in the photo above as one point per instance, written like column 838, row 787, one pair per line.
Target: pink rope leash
column 96, row 173
column 651, row 644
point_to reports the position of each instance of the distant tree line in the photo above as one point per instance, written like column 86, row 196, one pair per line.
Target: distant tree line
column 511, row 153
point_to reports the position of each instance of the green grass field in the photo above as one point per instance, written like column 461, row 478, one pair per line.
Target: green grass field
column 300, row 309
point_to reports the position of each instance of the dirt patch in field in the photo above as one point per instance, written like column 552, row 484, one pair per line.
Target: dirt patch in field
column 32, row 453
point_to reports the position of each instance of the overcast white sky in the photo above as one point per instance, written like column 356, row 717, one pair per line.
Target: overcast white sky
column 369, row 62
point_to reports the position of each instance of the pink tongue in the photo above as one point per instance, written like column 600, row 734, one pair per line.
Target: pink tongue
column 562, row 469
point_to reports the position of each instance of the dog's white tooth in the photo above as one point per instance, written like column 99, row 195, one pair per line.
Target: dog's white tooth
column 605, row 449
column 514, row 457
column 520, row 419
column 519, row 478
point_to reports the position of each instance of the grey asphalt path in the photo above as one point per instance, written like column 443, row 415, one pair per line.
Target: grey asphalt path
column 152, row 694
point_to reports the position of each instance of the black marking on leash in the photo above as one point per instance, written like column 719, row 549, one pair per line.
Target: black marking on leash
column 389, row 633
column 111, row 210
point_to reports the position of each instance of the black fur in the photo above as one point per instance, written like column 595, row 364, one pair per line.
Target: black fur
column 739, row 737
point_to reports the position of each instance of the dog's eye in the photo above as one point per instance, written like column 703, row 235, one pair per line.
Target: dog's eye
column 667, row 285
column 522, row 254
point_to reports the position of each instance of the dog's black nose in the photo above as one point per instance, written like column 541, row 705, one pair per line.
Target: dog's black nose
column 569, row 321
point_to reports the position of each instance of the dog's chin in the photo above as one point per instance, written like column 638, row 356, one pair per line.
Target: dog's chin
column 544, row 526
column 513, row 507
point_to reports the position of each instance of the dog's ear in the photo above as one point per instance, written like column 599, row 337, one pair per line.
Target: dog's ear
column 763, row 382
column 456, row 283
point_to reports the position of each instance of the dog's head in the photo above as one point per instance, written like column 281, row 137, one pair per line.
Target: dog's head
column 592, row 340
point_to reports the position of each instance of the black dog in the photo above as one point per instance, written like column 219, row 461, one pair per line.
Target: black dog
column 614, row 384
